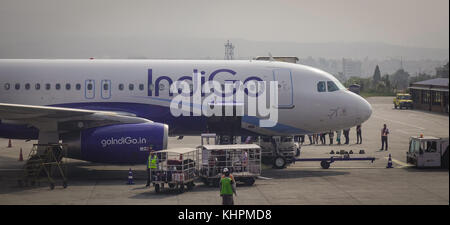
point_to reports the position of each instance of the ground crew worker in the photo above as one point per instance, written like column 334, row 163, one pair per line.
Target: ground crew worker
column 358, row 134
column 384, row 137
column 346, row 135
column 338, row 138
column 316, row 138
column 323, row 138
column 151, row 167
column 227, row 188
column 331, row 135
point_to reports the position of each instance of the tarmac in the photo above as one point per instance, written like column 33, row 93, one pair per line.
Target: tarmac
column 344, row 183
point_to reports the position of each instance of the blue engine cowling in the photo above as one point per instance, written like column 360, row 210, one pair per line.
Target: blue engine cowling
column 124, row 143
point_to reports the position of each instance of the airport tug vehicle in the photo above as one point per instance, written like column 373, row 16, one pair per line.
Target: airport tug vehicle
column 403, row 100
column 279, row 151
column 177, row 169
column 428, row 151
column 242, row 160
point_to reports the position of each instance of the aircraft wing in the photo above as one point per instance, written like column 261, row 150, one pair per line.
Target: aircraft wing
column 63, row 119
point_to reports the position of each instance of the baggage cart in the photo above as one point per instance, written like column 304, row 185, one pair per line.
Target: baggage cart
column 242, row 160
column 176, row 168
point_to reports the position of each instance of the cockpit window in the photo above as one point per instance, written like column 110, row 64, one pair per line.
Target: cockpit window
column 321, row 86
column 331, row 86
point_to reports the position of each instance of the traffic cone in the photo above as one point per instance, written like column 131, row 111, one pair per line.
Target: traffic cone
column 20, row 156
column 9, row 143
column 389, row 165
column 130, row 177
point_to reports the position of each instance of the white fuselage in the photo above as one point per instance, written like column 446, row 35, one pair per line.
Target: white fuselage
column 141, row 87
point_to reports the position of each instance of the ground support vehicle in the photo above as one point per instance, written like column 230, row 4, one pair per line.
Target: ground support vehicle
column 403, row 100
column 326, row 162
column 279, row 151
column 43, row 162
column 428, row 151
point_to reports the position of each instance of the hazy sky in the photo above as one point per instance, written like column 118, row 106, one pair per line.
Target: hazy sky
column 419, row 23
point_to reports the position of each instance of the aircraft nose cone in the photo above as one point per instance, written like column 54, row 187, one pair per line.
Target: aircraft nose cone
column 366, row 109
column 362, row 108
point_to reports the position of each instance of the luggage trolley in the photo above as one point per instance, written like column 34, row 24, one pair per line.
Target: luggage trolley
column 242, row 160
column 176, row 168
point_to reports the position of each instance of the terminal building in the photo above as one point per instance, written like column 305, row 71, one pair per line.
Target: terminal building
column 351, row 68
column 430, row 95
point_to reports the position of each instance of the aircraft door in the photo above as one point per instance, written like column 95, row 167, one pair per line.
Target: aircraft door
column 106, row 89
column 89, row 89
column 285, row 88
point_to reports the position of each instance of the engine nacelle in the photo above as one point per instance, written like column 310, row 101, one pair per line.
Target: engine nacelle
column 124, row 143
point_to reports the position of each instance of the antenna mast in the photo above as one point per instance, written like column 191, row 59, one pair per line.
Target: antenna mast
column 229, row 50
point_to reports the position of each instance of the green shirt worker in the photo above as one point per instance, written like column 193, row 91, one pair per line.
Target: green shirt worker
column 151, row 166
column 227, row 188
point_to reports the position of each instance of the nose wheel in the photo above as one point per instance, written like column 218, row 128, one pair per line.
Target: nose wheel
column 279, row 162
column 325, row 165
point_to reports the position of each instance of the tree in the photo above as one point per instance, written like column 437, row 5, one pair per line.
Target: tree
column 400, row 79
column 387, row 83
column 442, row 71
column 420, row 77
column 376, row 76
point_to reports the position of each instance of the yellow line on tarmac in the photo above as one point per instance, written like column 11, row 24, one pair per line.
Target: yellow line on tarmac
column 402, row 164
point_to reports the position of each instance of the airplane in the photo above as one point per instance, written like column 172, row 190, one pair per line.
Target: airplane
column 111, row 111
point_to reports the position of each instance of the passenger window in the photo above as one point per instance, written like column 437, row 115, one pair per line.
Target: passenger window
column 7, row 86
column 58, row 86
column 121, row 87
column 17, row 86
column 27, row 86
column 37, row 86
column 67, row 86
column 89, row 87
column 141, row 87
column 48, row 86
column 131, row 87
column 321, row 86
column 78, row 86
column 331, row 86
